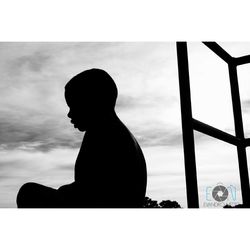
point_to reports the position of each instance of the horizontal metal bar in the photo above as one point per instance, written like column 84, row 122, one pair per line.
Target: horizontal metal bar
column 247, row 142
column 216, row 133
column 242, row 60
column 219, row 51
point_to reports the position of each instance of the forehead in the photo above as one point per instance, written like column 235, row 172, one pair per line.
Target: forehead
column 76, row 99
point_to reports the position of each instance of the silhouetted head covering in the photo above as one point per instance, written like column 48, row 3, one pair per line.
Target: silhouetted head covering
column 93, row 87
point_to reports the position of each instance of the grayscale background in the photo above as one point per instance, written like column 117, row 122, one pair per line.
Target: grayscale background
column 38, row 143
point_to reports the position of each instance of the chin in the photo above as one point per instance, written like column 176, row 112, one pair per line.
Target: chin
column 80, row 128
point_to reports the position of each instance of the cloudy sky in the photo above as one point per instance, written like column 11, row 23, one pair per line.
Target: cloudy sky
column 38, row 143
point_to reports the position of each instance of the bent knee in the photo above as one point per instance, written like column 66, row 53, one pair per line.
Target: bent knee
column 27, row 187
column 24, row 194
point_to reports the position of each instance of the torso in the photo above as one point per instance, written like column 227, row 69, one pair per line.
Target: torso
column 110, row 165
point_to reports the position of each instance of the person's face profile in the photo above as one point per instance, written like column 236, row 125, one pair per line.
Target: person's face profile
column 91, row 97
column 78, row 112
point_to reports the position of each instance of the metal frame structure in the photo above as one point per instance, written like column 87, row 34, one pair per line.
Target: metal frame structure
column 189, row 124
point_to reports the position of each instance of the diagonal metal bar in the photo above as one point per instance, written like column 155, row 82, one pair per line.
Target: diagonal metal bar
column 216, row 133
column 224, row 55
column 187, row 127
column 219, row 51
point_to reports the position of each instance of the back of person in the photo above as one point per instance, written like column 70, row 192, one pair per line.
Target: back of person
column 110, row 168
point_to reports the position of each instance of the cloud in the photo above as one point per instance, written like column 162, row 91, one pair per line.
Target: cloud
column 157, row 136
column 144, row 101
column 44, row 136
column 34, row 62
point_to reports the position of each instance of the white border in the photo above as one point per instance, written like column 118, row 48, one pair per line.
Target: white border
column 129, row 20
column 124, row 229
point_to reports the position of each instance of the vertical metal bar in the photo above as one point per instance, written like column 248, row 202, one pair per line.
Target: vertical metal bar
column 187, row 127
column 239, row 132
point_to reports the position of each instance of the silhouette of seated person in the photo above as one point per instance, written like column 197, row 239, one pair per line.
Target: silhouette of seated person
column 110, row 170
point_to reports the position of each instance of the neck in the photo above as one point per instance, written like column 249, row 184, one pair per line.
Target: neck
column 104, row 121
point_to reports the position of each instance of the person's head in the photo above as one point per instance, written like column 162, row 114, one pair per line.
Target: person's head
column 90, row 95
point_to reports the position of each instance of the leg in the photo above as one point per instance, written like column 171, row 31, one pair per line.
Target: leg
column 71, row 196
column 33, row 195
